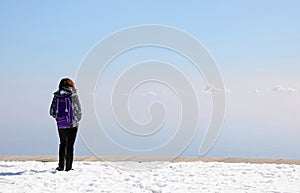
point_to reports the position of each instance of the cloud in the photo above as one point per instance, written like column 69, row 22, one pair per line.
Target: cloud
column 227, row 90
column 279, row 88
column 213, row 89
column 258, row 91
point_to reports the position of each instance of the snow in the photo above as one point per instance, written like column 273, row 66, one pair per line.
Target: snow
column 151, row 177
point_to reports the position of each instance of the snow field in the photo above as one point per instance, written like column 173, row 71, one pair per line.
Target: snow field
column 149, row 177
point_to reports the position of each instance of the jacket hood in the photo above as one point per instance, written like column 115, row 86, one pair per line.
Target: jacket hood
column 65, row 91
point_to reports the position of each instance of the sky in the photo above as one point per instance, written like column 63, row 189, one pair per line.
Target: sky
column 255, row 45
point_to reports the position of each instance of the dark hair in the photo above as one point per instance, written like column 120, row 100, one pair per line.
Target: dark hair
column 65, row 82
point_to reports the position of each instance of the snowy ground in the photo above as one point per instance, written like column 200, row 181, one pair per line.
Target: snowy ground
column 150, row 177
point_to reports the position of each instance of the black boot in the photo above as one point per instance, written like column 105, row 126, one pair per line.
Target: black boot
column 59, row 168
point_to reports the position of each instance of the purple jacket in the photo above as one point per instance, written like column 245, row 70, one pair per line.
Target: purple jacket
column 66, row 91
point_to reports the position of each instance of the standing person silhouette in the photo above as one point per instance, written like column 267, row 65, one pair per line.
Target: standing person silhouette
column 66, row 110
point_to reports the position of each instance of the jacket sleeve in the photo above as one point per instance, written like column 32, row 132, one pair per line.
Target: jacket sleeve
column 76, row 107
column 53, row 107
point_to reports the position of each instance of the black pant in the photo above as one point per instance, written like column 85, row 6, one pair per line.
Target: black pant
column 66, row 147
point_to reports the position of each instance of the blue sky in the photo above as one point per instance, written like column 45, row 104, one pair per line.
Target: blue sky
column 255, row 44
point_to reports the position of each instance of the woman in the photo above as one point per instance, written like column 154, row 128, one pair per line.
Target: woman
column 65, row 108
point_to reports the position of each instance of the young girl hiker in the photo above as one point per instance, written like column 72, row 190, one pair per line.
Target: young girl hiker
column 66, row 110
